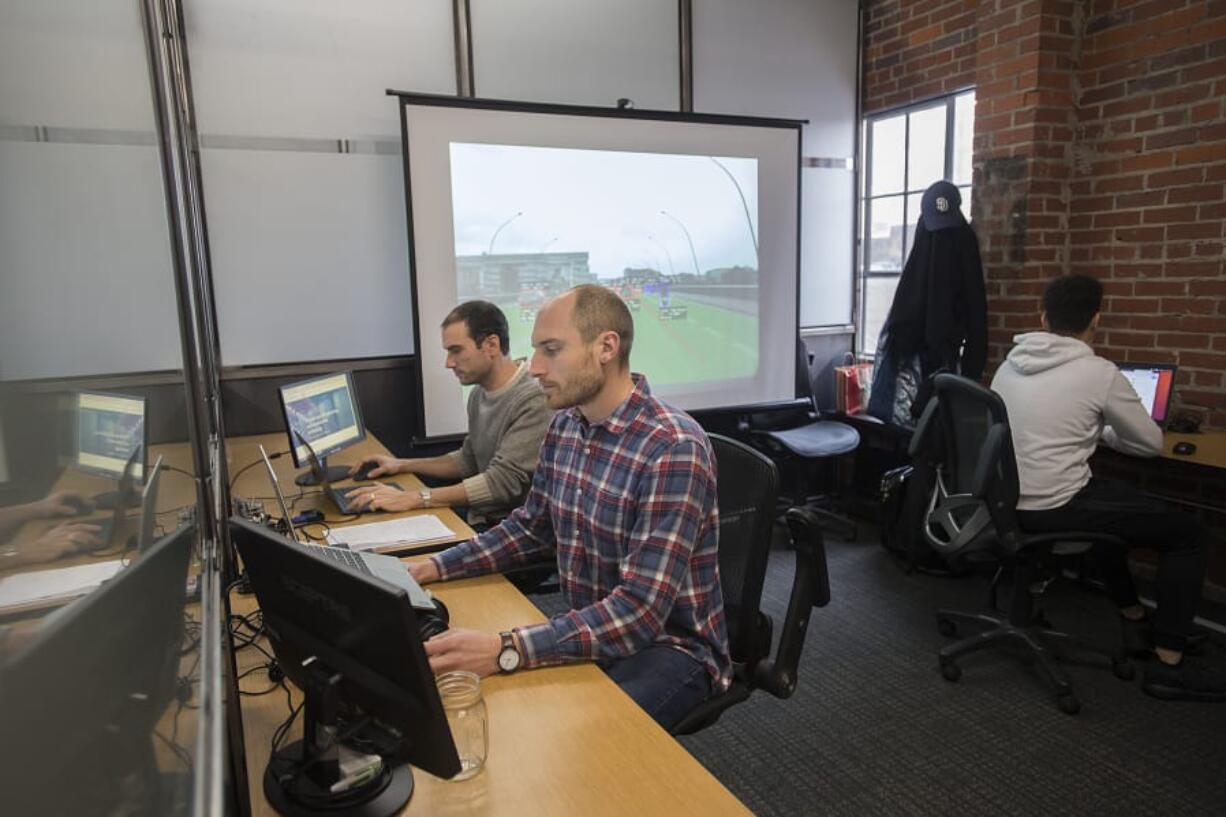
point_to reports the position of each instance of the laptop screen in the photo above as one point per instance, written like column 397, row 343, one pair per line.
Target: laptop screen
column 1154, row 383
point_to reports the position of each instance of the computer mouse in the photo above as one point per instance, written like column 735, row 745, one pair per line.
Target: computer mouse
column 1183, row 449
column 363, row 473
column 80, row 506
column 432, row 622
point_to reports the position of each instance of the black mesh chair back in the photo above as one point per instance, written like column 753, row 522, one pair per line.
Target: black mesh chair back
column 965, row 428
column 748, row 484
column 964, row 431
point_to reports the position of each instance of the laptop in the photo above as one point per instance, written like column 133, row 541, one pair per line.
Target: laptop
column 388, row 568
column 1155, row 385
column 148, row 509
column 339, row 496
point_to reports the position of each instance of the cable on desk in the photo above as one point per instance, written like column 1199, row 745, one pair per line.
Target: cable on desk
column 178, row 470
column 274, row 455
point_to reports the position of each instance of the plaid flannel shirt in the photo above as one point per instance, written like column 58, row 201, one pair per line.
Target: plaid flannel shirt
column 629, row 507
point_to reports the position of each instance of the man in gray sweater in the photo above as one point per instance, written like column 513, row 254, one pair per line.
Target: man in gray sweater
column 507, row 420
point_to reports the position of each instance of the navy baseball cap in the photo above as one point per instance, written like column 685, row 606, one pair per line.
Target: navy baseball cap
column 941, row 206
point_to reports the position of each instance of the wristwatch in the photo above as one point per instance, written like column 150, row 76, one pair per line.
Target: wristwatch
column 425, row 495
column 509, row 657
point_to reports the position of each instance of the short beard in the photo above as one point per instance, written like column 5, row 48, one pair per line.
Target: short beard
column 582, row 388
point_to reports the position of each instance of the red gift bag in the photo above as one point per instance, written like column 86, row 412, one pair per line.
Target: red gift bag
column 851, row 385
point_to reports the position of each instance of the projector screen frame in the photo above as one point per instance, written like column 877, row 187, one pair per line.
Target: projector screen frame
column 407, row 98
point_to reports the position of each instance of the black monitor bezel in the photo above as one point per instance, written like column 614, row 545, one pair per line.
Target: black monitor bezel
column 76, row 435
column 289, row 431
column 416, row 712
column 75, row 647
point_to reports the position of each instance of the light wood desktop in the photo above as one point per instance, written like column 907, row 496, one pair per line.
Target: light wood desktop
column 1210, row 448
column 563, row 740
column 244, row 453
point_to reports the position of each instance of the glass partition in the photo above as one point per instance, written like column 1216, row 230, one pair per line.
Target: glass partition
column 100, row 570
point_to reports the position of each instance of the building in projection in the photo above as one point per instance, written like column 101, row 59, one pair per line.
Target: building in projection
column 504, row 277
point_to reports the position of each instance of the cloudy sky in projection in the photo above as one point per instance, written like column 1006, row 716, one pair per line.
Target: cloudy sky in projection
column 605, row 203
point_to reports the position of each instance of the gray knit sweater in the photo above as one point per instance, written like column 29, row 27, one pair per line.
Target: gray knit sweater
column 505, row 430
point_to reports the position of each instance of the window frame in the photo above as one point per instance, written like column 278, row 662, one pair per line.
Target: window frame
column 865, row 199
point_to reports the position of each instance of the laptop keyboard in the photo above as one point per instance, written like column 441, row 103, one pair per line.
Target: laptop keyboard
column 345, row 557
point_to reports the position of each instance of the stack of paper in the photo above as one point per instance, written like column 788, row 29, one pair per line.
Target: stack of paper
column 46, row 586
column 408, row 530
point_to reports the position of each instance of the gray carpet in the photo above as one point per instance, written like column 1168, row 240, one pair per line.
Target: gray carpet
column 874, row 729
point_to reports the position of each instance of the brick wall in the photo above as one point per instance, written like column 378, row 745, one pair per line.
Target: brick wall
column 1100, row 147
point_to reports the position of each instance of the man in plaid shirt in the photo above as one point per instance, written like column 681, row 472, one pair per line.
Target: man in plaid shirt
column 625, row 496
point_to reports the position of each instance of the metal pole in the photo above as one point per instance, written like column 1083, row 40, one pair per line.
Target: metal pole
column 744, row 205
column 693, row 254
column 490, row 250
column 685, row 35
column 462, row 16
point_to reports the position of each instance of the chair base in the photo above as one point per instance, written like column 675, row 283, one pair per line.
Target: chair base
column 1038, row 642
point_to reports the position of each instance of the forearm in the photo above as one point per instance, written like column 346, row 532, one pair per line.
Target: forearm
column 442, row 467
column 449, row 496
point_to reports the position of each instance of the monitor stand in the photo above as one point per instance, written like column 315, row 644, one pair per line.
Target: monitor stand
column 108, row 500
column 298, row 778
column 334, row 473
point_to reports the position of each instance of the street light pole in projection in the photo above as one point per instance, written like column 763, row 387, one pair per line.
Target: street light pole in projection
column 693, row 253
column 490, row 250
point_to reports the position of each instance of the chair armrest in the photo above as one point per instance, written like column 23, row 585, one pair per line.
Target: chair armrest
column 810, row 588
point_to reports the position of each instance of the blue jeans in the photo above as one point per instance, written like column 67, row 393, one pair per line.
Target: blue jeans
column 665, row 682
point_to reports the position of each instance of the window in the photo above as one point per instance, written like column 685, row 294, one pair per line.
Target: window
column 905, row 151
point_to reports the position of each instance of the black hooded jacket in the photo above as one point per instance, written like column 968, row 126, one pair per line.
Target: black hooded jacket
column 940, row 308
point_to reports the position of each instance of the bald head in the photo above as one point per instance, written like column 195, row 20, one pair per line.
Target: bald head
column 598, row 309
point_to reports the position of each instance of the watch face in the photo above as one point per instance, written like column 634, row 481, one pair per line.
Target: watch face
column 508, row 659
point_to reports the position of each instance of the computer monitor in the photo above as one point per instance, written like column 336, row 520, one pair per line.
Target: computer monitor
column 1155, row 385
column 351, row 643
column 81, row 704
column 324, row 412
column 110, row 429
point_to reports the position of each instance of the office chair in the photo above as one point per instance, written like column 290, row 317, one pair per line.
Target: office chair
column 804, row 441
column 972, row 514
column 747, row 485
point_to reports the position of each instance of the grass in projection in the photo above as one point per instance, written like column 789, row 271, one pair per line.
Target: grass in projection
column 674, row 235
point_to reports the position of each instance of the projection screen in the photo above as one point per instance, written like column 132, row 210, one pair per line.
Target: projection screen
column 692, row 219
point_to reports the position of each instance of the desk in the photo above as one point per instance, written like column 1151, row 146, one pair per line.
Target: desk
column 253, row 483
column 564, row 741
column 1210, row 448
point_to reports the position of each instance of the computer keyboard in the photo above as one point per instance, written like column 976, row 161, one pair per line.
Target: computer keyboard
column 345, row 557
column 340, row 496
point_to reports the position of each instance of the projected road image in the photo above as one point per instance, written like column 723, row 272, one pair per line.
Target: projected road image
column 676, row 236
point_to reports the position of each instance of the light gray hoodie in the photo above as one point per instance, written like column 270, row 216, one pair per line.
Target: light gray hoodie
column 1062, row 401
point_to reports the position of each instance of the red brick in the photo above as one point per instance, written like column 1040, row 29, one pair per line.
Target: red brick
column 1117, row 219
column 1166, row 215
column 1207, row 192
column 1170, row 178
column 1160, row 287
column 1193, row 231
column 1184, row 341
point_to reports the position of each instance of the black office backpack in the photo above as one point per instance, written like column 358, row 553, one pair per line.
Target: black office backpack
column 905, row 494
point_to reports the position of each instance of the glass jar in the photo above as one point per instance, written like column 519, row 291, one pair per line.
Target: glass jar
column 465, row 707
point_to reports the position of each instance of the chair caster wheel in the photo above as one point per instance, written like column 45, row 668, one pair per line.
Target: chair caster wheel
column 946, row 627
column 950, row 671
column 1068, row 704
column 1123, row 669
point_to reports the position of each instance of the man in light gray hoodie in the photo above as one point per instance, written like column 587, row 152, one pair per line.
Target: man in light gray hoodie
column 1063, row 400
